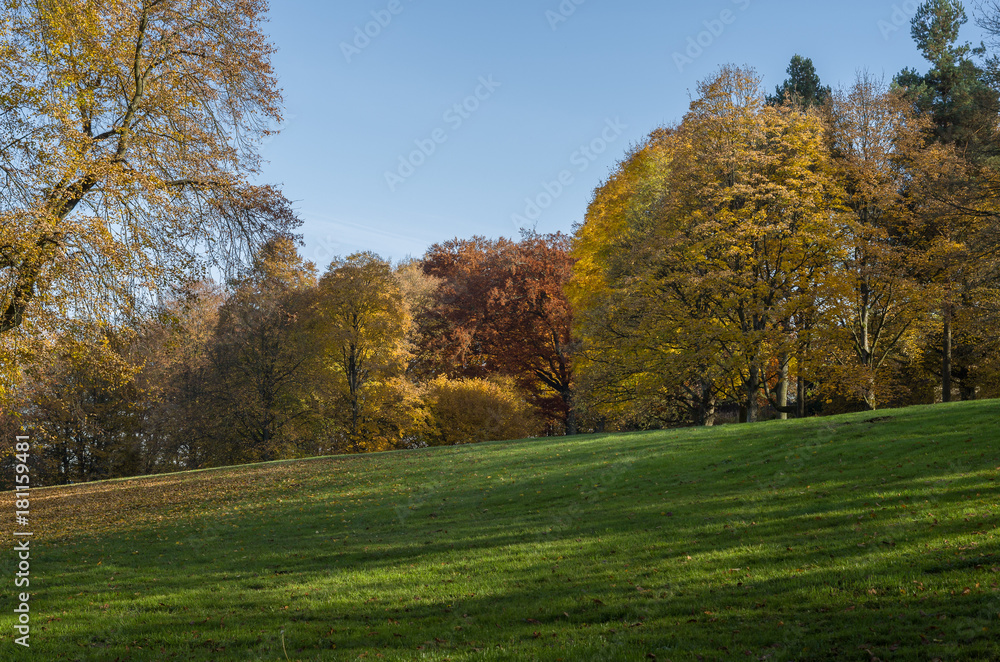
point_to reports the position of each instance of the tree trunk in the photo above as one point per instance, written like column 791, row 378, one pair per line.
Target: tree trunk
column 753, row 390
column 571, row 424
column 946, row 357
column 966, row 387
column 706, row 410
column 783, row 387
column 800, row 386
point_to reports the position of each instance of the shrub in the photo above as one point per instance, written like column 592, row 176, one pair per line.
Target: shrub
column 463, row 411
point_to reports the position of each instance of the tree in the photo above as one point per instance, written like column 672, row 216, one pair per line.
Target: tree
column 882, row 161
column 954, row 90
column 717, row 271
column 470, row 410
column 755, row 195
column 641, row 363
column 802, row 87
column 957, row 95
column 501, row 309
column 449, row 340
column 130, row 141
column 361, row 327
column 188, row 423
column 419, row 292
column 261, row 354
column 85, row 409
column 535, row 326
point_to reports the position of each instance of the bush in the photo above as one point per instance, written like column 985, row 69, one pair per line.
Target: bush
column 464, row 411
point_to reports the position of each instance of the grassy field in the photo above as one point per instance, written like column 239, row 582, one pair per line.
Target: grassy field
column 861, row 537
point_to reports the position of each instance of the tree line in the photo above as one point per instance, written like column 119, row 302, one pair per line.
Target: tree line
column 804, row 252
column 471, row 343
column 787, row 254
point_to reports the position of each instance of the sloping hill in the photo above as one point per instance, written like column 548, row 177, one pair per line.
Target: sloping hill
column 849, row 538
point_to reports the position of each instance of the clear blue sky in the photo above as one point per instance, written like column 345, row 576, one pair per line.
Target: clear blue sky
column 604, row 77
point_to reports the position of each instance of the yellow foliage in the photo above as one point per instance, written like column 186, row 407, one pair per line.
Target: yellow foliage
column 463, row 411
column 130, row 140
column 698, row 256
column 361, row 325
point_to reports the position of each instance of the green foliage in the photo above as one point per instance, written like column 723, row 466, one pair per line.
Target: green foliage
column 955, row 91
column 802, row 87
column 935, row 29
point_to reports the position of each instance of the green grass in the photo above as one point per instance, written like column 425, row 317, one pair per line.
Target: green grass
column 850, row 538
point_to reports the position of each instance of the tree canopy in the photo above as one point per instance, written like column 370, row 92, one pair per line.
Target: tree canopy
column 129, row 151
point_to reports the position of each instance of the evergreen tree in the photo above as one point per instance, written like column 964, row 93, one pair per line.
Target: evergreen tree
column 955, row 90
column 802, row 86
column 956, row 94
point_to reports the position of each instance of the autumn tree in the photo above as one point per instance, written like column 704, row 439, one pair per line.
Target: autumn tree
column 957, row 95
column 472, row 409
column 641, row 363
column 419, row 291
column 723, row 265
column 188, row 421
column 755, row 193
column 130, row 146
column 448, row 329
column 501, row 309
column 883, row 163
column 362, row 324
column 261, row 355
column 85, row 409
column 536, row 324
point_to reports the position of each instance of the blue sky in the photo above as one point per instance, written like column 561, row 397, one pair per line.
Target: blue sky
column 468, row 117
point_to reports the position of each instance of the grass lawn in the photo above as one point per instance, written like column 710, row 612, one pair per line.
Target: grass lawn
column 850, row 538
